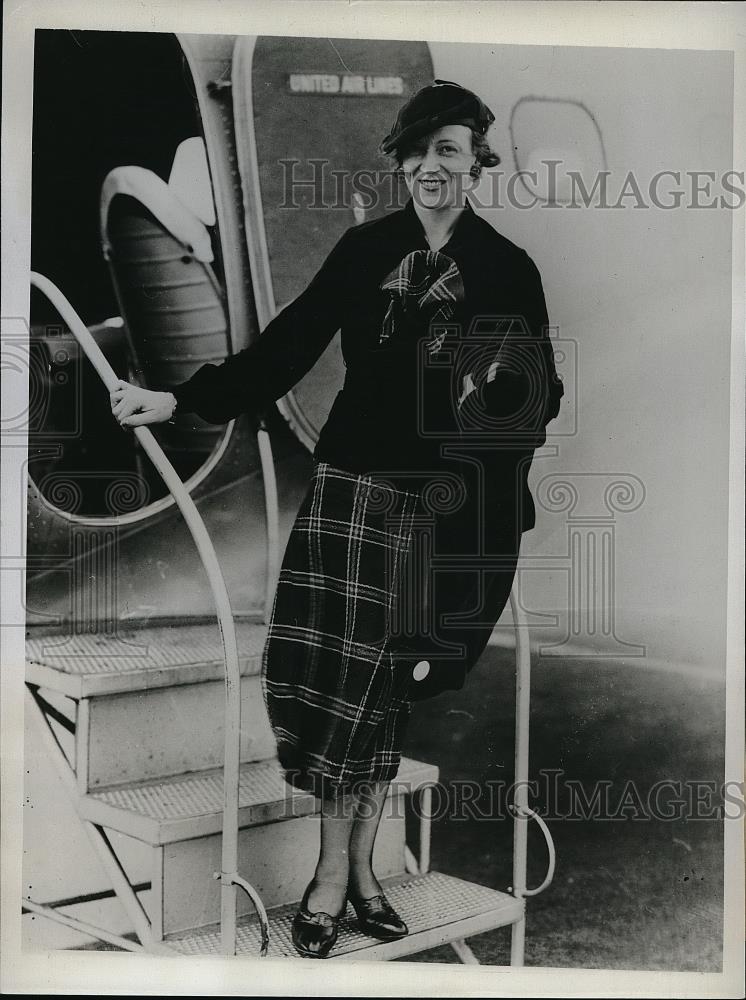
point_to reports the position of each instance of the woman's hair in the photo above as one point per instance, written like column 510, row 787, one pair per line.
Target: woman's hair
column 486, row 157
column 481, row 149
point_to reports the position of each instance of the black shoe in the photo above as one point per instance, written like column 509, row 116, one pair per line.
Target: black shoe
column 377, row 917
column 314, row 934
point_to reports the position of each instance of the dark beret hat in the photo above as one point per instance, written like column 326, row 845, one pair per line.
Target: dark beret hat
column 440, row 103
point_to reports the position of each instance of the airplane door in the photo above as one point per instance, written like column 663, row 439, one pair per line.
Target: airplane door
column 309, row 116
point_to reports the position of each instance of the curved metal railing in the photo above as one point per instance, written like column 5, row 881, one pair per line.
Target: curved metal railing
column 528, row 813
column 520, row 808
column 229, row 877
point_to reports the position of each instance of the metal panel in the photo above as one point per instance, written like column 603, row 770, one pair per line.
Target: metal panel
column 278, row 860
column 271, row 122
column 82, row 745
column 170, row 731
column 157, row 897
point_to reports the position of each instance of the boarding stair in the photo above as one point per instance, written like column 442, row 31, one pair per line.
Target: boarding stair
column 135, row 768
column 159, row 734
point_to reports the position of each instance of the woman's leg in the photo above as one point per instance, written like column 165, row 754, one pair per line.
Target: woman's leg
column 329, row 888
column 349, row 825
column 369, row 809
column 375, row 914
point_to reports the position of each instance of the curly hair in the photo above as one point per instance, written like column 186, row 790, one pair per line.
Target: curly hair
column 480, row 147
column 486, row 157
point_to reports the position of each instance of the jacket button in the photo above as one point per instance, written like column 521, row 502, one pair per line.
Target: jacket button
column 421, row 670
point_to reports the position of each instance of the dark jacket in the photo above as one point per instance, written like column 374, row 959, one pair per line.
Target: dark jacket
column 395, row 414
column 398, row 414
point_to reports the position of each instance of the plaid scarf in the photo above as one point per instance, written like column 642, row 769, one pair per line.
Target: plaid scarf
column 424, row 282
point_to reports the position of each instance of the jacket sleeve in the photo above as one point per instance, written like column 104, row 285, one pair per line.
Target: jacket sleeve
column 286, row 350
column 523, row 388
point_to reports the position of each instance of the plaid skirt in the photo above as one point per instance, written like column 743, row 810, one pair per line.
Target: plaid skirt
column 335, row 695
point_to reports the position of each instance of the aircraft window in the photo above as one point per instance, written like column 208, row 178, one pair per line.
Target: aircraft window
column 544, row 130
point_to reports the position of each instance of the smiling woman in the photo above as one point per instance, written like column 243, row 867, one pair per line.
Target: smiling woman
column 441, row 164
column 435, row 167
column 425, row 298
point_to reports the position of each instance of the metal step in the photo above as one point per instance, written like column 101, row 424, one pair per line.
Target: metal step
column 165, row 810
column 135, row 659
column 278, row 859
column 437, row 909
column 165, row 731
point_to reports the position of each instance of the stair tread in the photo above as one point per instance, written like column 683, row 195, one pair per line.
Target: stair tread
column 162, row 810
column 141, row 657
column 437, row 908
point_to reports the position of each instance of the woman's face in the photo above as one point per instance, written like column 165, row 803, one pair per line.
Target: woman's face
column 436, row 167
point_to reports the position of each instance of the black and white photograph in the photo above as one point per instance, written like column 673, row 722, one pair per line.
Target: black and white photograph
column 372, row 553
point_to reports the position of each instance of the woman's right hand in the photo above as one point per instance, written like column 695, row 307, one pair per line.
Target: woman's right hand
column 133, row 406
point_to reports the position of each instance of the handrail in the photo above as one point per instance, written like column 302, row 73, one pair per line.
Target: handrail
column 522, row 715
column 229, row 861
column 526, row 812
column 520, row 808
column 258, row 906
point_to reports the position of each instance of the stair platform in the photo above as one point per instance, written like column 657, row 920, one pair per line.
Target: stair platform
column 139, row 658
column 166, row 810
column 437, row 909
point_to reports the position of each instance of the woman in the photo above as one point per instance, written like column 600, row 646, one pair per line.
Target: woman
column 450, row 380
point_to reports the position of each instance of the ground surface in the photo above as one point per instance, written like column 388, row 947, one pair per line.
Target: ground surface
column 628, row 893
